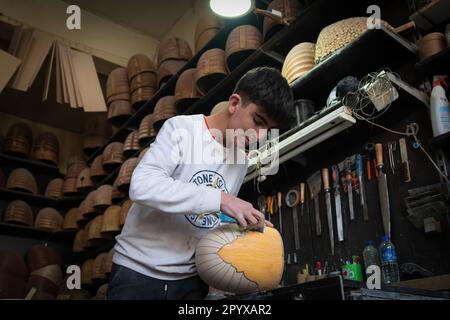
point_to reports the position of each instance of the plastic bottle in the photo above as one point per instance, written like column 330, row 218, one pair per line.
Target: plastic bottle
column 389, row 265
column 370, row 255
column 440, row 108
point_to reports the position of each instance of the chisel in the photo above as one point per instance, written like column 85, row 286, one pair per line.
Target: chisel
column 326, row 188
column 292, row 200
column 314, row 189
column 337, row 203
column 302, row 198
column 362, row 188
column 383, row 190
column 279, row 214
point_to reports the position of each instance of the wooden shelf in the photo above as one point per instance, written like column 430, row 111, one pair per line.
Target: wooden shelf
column 436, row 64
column 32, row 165
column 375, row 49
column 33, row 233
column 40, row 200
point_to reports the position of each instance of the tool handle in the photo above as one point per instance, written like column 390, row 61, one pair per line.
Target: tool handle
column 369, row 172
column 335, row 175
column 359, row 165
column 279, row 199
column 379, row 154
column 302, row 192
column 325, row 178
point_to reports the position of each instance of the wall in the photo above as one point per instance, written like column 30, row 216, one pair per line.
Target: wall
column 98, row 36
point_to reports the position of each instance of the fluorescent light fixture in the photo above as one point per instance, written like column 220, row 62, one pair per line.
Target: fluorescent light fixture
column 231, row 8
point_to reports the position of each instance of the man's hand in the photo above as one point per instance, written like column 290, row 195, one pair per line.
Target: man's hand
column 243, row 211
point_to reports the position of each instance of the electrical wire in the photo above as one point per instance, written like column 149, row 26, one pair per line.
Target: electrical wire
column 359, row 101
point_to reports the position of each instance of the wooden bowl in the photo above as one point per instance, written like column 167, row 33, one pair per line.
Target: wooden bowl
column 80, row 242
column 146, row 131
column 46, row 148
column 117, row 196
column 86, row 272
column 111, row 222
column 126, row 171
column 70, row 220
column 112, row 156
column 124, row 211
column 40, row 256
column 119, row 112
column 143, row 80
column 299, row 61
column 131, row 145
column 19, row 212
column 18, row 140
column 186, row 92
column 174, row 48
column 168, row 69
column 84, row 182
column 97, row 268
column 54, row 188
column 138, row 64
column 431, row 44
column 49, row 219
column 22, row 180
column 97, row 171
column 211, row 69
column 207, row 27
column 288, row 8
column 164, row 109
column 140, row 96
column 102, row 198
column 241, row 43
column 117, row 82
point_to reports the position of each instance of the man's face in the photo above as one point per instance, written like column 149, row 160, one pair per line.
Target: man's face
column 249, row 122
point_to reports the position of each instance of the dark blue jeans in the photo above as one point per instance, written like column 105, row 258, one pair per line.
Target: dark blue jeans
column 126, row 284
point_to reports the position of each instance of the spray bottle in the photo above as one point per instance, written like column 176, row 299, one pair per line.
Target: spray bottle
column 440, row 108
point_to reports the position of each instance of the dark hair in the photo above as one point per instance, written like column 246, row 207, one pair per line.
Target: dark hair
column 267, row 88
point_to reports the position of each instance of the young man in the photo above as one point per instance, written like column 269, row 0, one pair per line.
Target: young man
column 192, row 171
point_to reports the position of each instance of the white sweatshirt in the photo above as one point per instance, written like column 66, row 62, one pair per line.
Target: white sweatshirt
column 174, row 200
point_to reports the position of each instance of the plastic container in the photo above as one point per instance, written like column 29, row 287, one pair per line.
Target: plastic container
column 439, row 107
column 370, row 255
column 389, row 265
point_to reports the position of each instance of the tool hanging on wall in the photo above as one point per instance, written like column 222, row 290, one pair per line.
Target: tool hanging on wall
column 348, row 179
column 383, row 191
column 362, row 187
column 280, row 219
column 292, row 200
column 406, row 173
column 326, row 188
column 337, row 202
column 314, row 189
column 262, row 206
column 302, row 198
column 392, row 147
column 370, row 161
column 269, row 204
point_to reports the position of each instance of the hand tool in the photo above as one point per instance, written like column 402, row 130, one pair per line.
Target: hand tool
column 326, row 188
column 279, row 214
column 314, row 189
column 337, row 202
column 295, row 258
column 348, row 178
column 370, row 148
column 406, row 173
column 302, row 198
column 383, row 191
column 362, row 187
column 269, row 208
column 392, row 146
column 292, row 200
column 262, row 205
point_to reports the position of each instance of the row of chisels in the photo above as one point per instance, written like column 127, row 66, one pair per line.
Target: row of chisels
column 347, row 177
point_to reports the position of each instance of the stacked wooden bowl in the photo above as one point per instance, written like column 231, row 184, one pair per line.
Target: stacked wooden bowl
column 288, row 8
column 299, row 61
column 49, row 219
column 241, row 43
column 18, row 140
column 111, row 222
column 113, row 156
column 46, row 148
column 172, row 56
column 117, row 196
column 431, row 44
column 126, row 171
column 164, row 109
column 70, row 220
column 211, row 69
column 131, row 144
column 118, row 96
column 55, row 188
column 124, row 211
column 142, row 78
column 97, row 171
column 45, row 272
column 19, row 212
column 146, row 131
column 84, row 182
column 74, row 167
column 102, row 198
column 22, row 180
column 207, row 27
column 186, row 92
